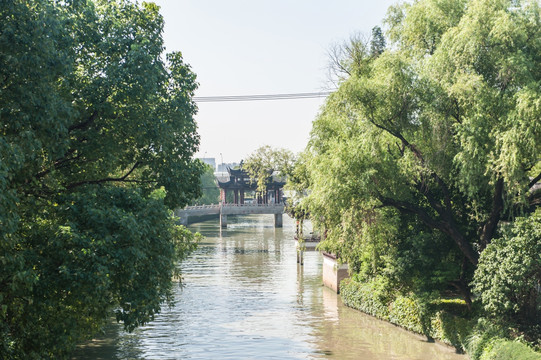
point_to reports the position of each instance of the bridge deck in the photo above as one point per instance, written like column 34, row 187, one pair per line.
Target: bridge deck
column 227, row 209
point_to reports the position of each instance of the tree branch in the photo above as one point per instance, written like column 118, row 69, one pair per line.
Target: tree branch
column 494, row 218
column 58, row 164
column 457, row 106
column 534, row 199
column 85, row 123
column 446, row 225
column 419, row 156
column 409, row 208
column 109, row 179
column 423, row 189
column 534, row 181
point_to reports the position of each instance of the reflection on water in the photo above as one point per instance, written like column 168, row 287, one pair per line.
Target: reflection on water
column 245, row 297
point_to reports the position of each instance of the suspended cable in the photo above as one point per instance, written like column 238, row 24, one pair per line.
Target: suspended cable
column 262, row 97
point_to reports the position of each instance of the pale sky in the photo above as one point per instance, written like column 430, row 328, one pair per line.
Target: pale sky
column 247, row 47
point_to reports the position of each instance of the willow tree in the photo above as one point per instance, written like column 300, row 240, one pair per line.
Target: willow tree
column 424, row 150
column 96, row 146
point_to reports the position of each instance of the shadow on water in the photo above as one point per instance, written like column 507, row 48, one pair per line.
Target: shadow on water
column 102, row 347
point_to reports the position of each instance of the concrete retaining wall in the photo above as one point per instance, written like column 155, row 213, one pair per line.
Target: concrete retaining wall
column 333, row 273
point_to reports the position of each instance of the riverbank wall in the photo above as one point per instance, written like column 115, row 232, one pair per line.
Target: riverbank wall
column 333, row 272
column 441, row 320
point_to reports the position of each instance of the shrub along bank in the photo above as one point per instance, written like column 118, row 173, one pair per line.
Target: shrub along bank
column 448, row 321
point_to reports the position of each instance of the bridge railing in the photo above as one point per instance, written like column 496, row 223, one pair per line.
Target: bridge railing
column 252, row 205
column 214, row 206
column 196, row 207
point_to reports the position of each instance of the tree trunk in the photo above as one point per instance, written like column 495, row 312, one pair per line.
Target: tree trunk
column 497, row 206
column 463, row 288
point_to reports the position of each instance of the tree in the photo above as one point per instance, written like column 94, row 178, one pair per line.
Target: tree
column 210, row 191
column 436, row 140
column 264, row 161
column 348, row 58
column 509, row 273
column 418, row 27
column 377, row 42
column 96, row 145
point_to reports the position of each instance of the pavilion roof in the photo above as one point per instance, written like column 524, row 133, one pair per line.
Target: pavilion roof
column 239, row 179
column 237, row 172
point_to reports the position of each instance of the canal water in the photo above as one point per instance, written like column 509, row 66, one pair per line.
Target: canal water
column 245, row 297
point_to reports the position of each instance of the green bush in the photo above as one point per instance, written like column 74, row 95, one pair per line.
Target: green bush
column 509, row 273
column 441, row 319
column 452, row 306
column 484, row 332
column 369, row 297
column 408, row 313
column 502, row 349
column 423, row 315
column 451, row 329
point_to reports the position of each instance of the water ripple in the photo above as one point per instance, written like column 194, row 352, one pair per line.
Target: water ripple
column 245, row 297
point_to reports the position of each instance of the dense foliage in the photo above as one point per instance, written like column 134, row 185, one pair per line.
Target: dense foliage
column 266, row 161
column 210, row 193
column 508, row 278
column 502, row 349
column 426, row 148
column 435, row 318
column 96, row 146
column 448, row 321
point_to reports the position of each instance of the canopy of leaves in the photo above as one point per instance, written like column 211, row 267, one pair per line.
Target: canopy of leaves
column 377, row 42
column 263, row 162
column 210, row 193
column 509, row 273
column 425, row 149
column 96, row 145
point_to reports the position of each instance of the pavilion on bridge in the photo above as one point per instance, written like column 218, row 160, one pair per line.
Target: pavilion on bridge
column 239, row 183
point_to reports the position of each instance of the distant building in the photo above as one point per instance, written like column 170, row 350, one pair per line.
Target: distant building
column 223, row 167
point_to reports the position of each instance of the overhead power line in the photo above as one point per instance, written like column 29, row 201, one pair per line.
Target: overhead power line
column 225, row 98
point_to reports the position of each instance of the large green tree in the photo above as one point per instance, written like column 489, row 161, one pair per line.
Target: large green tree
column 210, row 193
column 424, row 150
column 265, row 161
column 96, row 145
